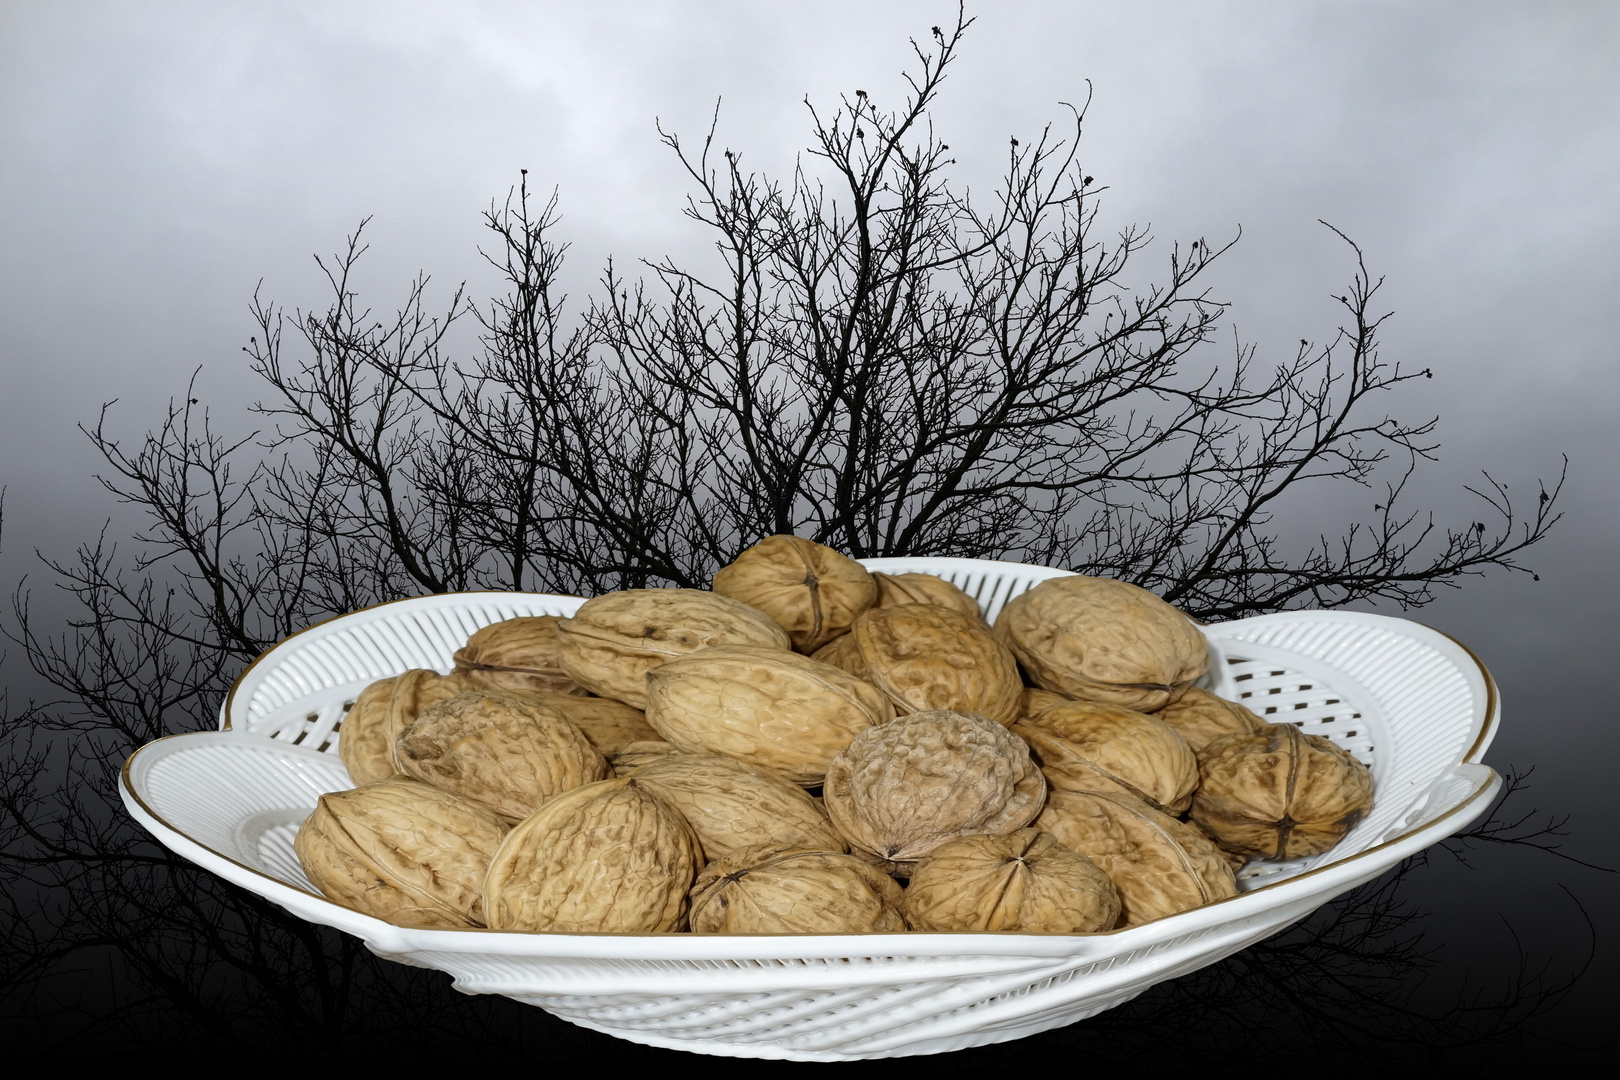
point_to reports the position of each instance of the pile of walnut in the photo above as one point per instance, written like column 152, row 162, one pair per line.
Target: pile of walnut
column 651, row 764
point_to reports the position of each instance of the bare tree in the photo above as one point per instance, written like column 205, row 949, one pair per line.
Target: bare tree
column 878, row 363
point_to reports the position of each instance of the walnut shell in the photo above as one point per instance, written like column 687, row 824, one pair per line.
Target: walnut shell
column 1160, row 865
column 1025, row 881
column 808, row 588
column 363, row 742
column 1037, row 700
column 844, row 653
column 927, row 657
column 637, row 755
column 613, row 640
column 1279, row 793
column 896, row 589
column 500, row 751
column 774, row 709
column 732, row 806
column 770, row 891
column 1097, row 639
column 901, row 789
column 610, row 725
column 401, row 851
column 603, row 858
column 516, row 654
column 1085, row 746
column 1201, row 717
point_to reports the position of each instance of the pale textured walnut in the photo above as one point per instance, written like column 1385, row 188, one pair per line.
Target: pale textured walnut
column 1160, row 865
column 730, row 805
column 1097, row 639
column 516, row 654
column 1201, row 717
column 774, row 709
column 613, row 640
column 1280, row 793
column 1024, row 881
column 770, row 891
column 637, row 755
column 896, row 589
column 1085, row 746
column 903, row 788
column 610, row 725
column 1037, row 700
column 401, row 851
column 843, row 653
column 811, row 590
column 927, row 657
column 363, row 742
column 501, row 751
column 610, row 857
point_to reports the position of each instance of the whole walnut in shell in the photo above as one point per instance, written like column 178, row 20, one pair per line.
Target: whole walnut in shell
column 732, row 806
column 504, row 753
column 808, row 588
column 1279, row 793
column 613, row 640
column 1160, row 865
column 515, row 654
column 603, row 858
column 767, row 707
column 1037, row 700
column 901, row 789
column 1097, row 639
column 366, row 738
column 769, row 891
column 1201, row 717
column 401, row 851
column 1084, row 746
column 610, row 725
column 896, row 589
column 1025, row 881
column 927, row 657
column 636, row 755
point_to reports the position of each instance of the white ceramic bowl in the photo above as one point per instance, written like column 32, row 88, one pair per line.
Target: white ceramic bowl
column 1413, row 704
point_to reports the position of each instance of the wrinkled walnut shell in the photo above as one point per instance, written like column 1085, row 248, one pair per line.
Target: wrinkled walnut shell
column 1201, row 717
column 1280, row 793
column 731, row 806
column 927, row 657
column 363, row 743
column 613, row 640
column 770, row 891
column 896, row 589
column 516, row 654
column 1085, row 746
column 1159, row 864
column 401, row 851
column 1025, row 881
column 610, row 725
column 1096, row 639
column 811, row 590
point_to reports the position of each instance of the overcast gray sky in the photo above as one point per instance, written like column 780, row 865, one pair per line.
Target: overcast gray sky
column 157, row 161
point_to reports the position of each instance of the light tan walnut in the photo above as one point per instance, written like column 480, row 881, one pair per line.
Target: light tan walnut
column 896, row 589
column 613, row 640
column 1159, row 864
column 926, row 657
column 730, row 805
column 1024, row 881
column 610, row 725
column 1201, row 717
column 1084, row 746
column 516, row 654
column 770, row 891
column 401, row 851
column 813, row 591
column 1097, row 639
column 363, row 743
column 603, row 858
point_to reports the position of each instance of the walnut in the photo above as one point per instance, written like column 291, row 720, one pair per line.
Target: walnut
column 1160, row 865
column 1279, row 793
column 896, row 589
column 636, row 755
column 770, row 891
column 901, row 789
column 1097, row 639
column 810, row 589
column 1036, row 700
column 767, row 707
column 515, row 654
column 401, row 851
column 1084, row 746
column 1201, row 717
column 500, row 751
column 1024, row 881
column 606, row 857
column 732, row 806
column 363, row 742
column 613, row 640
column 844, row 653
column 926, row 657
column 610, row 725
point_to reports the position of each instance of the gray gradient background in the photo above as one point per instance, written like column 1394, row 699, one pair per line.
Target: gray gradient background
column 158, row 160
